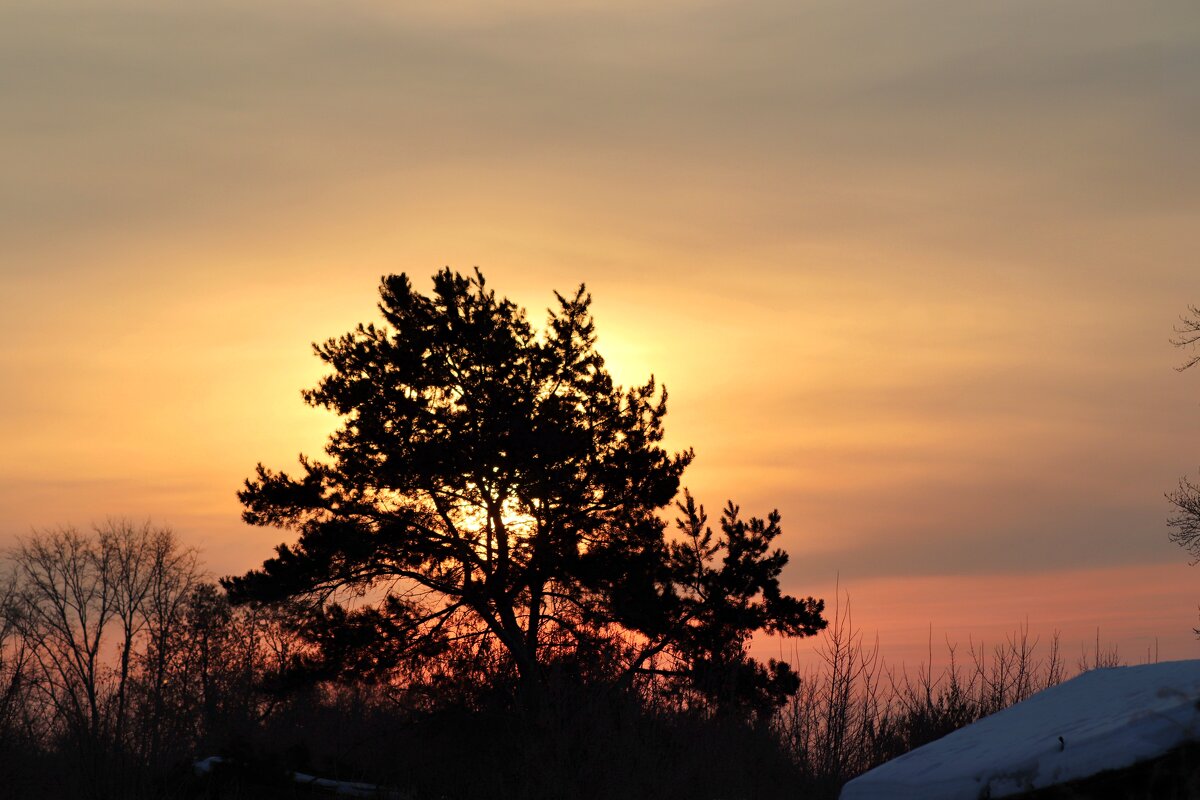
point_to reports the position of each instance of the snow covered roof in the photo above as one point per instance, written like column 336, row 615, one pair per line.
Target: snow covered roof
column 1104, row 719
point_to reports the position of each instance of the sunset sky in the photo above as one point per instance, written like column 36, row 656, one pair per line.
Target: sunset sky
column 908, row 269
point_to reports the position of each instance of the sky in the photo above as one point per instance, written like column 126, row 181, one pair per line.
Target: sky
column 908, row 269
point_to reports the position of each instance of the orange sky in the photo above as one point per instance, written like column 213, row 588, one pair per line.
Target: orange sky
column 908, row 269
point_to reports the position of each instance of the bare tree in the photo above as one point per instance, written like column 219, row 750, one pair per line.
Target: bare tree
column 82, row 604
column 130, row 551
column 831, row 723
column 14, row 665
column 67, row 599
column 1185, row 522
column 171, row 575
column 1187, row 335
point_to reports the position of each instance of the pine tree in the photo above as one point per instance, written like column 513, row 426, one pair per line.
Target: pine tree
column 491, row 491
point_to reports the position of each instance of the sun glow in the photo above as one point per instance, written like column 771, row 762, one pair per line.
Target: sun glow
column 476, row 522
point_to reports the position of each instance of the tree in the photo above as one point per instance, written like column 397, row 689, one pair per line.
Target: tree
column 491, row 488
column 206, row 672
column 14, row 666
column 82, row 607
column 720, row 591
column 1186, row 498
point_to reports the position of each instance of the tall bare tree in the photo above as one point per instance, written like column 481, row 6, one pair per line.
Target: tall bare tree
column 67, row 596
column 81, row 604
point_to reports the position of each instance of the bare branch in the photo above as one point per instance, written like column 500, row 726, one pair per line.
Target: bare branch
column 1187, row 335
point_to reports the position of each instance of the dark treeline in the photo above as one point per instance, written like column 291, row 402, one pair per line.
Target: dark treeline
column 120, row 666
column 119, row 663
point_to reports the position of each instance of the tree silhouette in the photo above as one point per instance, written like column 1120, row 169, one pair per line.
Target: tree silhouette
column 1186, row 497
column 491, row 490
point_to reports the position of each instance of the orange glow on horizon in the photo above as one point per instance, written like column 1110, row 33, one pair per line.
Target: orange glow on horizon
column 919, row 299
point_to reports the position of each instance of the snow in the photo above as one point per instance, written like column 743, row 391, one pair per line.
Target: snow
column 1104, row 719
column 206, row 765
column 341, row 788
column 344, row 788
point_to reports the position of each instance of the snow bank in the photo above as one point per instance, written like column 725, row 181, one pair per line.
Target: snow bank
column 1104, row 719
